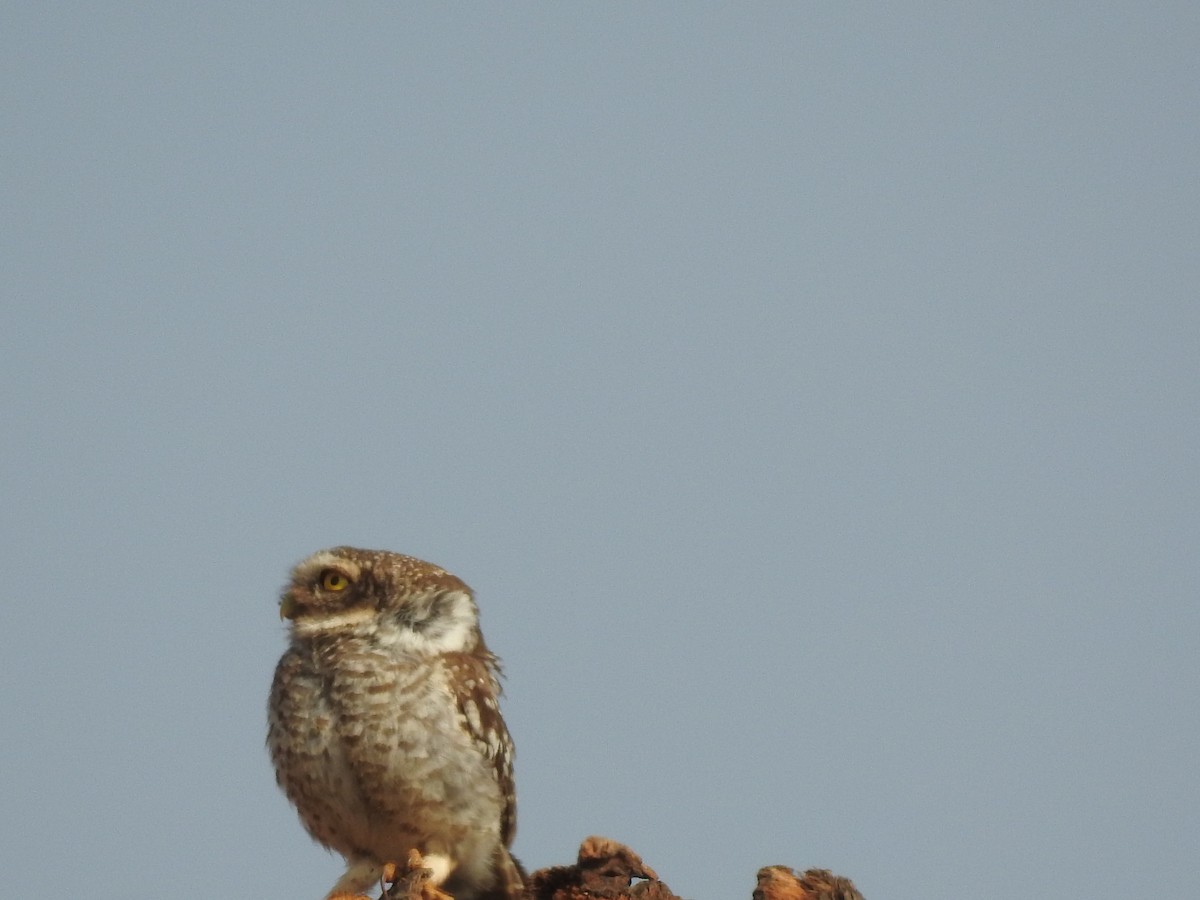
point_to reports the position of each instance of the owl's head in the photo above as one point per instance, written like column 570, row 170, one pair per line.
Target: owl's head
column 396, row 599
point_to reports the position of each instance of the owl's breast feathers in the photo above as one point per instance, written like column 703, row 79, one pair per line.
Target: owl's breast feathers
column 362, row 734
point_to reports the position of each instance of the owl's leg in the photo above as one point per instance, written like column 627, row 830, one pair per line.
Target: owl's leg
column 439, row 866
column 420, row 878
column 360, row 874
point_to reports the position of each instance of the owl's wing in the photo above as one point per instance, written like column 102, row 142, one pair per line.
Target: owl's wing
column 476, row 686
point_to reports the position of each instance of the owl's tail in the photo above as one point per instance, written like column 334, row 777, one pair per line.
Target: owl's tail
column 510, row 876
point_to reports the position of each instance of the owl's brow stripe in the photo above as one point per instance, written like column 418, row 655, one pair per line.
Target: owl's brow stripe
column 328, row 559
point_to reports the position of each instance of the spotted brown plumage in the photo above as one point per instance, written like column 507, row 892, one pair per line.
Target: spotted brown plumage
column 384, row 723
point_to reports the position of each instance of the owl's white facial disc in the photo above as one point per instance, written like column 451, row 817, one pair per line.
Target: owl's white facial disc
column 448, row 624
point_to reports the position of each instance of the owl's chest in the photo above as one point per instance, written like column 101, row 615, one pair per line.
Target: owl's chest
column 355, row 696
column 366, row 739
column 381, row 724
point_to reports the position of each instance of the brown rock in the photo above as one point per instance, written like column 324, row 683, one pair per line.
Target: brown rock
column 607, row 870
column 604, row 869
column 782, row 883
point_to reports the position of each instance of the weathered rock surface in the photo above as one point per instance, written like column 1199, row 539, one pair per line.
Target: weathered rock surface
column 607, row 870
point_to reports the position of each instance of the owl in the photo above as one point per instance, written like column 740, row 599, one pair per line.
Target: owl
column 384, row 725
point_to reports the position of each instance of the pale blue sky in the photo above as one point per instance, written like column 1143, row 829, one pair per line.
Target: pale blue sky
column 811, row 393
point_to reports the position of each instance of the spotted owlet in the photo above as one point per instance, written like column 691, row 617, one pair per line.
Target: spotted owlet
column 384, row 725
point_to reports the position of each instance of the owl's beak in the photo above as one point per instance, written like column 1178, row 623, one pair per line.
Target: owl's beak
column 287, row 607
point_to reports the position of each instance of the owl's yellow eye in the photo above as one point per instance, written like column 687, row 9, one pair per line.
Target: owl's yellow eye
column 333, row 580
